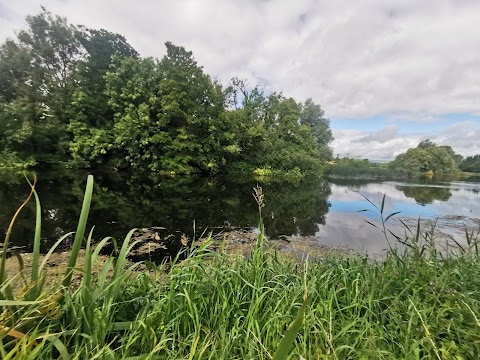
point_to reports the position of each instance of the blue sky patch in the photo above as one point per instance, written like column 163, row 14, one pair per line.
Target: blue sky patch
column 405, row 124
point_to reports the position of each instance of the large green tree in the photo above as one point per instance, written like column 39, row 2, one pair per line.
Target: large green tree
column 91, row 116
column 169, row 115
column 277, row 132
column 427, row 157
column 36, row 72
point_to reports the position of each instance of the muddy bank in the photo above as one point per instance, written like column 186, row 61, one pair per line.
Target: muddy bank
column 55, row 268
column 446, row 224
column 155, row 245
column 242, row 242
column 443, row 228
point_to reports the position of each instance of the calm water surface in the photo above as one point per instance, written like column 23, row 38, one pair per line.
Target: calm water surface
column 327, row 210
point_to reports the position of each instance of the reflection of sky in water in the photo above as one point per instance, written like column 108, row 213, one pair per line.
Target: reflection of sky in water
column 406, row 209
column 463, row 201
column 346, row 226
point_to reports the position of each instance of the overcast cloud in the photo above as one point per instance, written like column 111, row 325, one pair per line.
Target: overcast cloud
column 397, row 67
column 389, row 142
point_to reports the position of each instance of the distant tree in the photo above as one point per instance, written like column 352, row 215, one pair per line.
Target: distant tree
column 428, row 157
column 427, row 143
column 471, row 164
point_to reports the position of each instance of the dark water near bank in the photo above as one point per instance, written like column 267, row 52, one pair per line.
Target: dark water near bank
column 327, row 210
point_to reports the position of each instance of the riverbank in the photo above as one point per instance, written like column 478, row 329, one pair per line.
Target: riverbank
column 214, row 305
column 240, row 296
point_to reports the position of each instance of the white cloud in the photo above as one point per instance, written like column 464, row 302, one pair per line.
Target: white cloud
column 389, row 142
column 405, row 59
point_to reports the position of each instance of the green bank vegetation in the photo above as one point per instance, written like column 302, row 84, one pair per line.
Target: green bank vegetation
column 84, row 97
column 415, row 304
column 432, row 159
column 362, row 169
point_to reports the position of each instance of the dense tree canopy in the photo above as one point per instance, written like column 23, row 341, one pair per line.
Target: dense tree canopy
column 86, row 97
column 471, row 164
column 428, row 157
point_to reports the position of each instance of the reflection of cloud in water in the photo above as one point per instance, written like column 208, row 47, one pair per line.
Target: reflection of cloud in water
column 461, row 200
column 346, row 200
column 346, row 226
column 352, row 231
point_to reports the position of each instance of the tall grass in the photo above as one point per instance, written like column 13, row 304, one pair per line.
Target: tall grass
column 58, row 315
column 213, row 305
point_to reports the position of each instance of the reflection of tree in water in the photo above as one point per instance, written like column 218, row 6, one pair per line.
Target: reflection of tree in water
column 123, row 201
column 296, row 209
column 175, row 202
column 60, row 208
column 424, row 195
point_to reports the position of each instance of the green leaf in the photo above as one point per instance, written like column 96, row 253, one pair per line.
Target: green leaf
column 392, row 214
column 82, row 223
column 287, row 342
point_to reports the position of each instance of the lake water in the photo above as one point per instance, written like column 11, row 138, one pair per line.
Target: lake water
column 326, row 210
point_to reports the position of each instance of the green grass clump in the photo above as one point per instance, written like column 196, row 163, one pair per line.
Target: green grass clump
column 349, row 168
column 415, row 304
column 352, row 172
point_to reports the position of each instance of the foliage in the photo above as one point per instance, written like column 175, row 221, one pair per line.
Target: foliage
column 361, row 169
column 277, row 132
column 91, row 117
column 9, row 160
column 37, row 73
column 428, row 157
column 70, row 93
column 471, row 164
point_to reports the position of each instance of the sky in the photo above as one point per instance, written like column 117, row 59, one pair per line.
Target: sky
column 387, row 73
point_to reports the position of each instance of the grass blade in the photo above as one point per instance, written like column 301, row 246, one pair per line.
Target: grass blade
column 392, row 214
column 82, row 223
column 52, row 249
column 375, row 206
column 287, row 342
column 9, row 232
column 383, row 204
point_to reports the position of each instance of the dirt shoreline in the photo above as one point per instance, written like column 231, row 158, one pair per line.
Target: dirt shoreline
column 443, row 227
column 156, row 245
column 153, row 246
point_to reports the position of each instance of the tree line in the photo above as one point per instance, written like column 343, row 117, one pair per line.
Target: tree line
column 427, row 158
column 430, row 158
column 86, row 97
column 471, row 164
